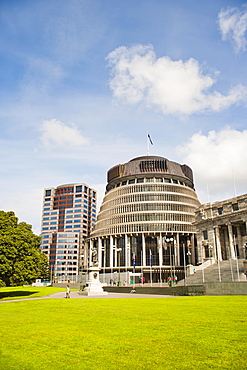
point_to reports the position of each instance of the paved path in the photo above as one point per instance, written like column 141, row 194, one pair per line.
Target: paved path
column 76, row 295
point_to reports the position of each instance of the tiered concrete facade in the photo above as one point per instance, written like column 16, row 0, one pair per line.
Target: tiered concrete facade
column 221, row 229
column 146, row 218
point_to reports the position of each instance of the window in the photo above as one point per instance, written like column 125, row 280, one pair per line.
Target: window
column 48, row 193
column 235, row 207
column 85, row 189
column 140, row 180
column 78, row 189
column 220, row 211
column 77, row 200
column 132, row 181
column 78, row 195
column 205, row 234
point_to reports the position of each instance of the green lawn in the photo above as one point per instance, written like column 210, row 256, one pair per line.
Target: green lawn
column 172, row 333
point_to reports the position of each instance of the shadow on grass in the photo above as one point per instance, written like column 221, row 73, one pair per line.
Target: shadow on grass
column 16, row 294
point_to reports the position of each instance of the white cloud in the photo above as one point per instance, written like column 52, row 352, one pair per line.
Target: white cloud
column 56, row 133
column 175, row 87
column 218, row 161
column 233, row 26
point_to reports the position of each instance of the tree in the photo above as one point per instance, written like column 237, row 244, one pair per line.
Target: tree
column 21, row 261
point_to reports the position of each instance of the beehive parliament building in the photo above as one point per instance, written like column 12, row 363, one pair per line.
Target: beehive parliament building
column 147, row 215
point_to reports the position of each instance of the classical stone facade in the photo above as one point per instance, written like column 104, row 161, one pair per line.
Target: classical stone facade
column 147, row 215
column 221, row 229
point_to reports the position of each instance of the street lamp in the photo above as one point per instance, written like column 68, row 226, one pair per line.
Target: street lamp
column 118, row 255
column 189, row 257
column 170, row 241
column 245, row 250
column 210, row 248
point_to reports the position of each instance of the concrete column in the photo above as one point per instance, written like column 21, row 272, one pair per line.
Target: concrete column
column 192, row 249
column 178, row 250
column 231, row 242
column 218, row 246
column 127, row 250
column 111, row 251
column 100, row 251
column 239, row 242
column 143, row 250
column 160, row 250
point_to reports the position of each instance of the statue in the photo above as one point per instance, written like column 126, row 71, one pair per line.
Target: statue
column 95, row 257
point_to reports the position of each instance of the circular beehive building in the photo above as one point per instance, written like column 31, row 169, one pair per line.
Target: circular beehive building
column 146, row 218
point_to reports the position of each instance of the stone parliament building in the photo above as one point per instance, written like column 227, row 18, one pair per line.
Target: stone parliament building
column 221, row 229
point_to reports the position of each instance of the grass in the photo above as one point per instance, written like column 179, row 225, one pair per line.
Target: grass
column 172, row 333
column 24, row 292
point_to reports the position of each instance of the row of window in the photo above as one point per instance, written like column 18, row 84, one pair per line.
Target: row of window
column 154, row 188
column 140, row 207
column 145, row 217
column 136, row 228
column 135, row 198
column 149, row 179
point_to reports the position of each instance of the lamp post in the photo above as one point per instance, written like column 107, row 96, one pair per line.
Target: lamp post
column 210, row 248
column 118, row 255
column 189, row 257
column 245, row 250
column 170, row 241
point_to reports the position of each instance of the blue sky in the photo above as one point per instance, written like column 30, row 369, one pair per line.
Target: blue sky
column 81, row 83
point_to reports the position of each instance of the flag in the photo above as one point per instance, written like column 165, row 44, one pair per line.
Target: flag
column 150, row 139
column 134, row 261
column 151, row 258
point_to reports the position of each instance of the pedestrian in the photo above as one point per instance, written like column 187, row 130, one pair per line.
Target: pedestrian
column 67, row 292
column 246, row 274
column 176, row 279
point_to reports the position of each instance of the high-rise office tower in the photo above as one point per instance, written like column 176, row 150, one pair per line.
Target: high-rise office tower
column 69, row 213
column 146, row 218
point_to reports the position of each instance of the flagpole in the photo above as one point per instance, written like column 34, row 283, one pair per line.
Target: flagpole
column 148, row 152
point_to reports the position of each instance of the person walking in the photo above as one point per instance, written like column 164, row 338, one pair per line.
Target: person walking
column 67, row 292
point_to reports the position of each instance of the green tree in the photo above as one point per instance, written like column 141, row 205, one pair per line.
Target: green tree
column 21, row 261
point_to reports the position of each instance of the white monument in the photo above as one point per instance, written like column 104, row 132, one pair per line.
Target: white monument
column 93, row 285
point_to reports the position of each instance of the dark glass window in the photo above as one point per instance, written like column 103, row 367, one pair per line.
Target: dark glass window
column 205, row 234
column 48, row 193
column 235, row 207
column 78, row 189
column 220, row 211
column 140, row 180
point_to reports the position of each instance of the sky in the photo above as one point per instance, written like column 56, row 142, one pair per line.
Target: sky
column 83, row 81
